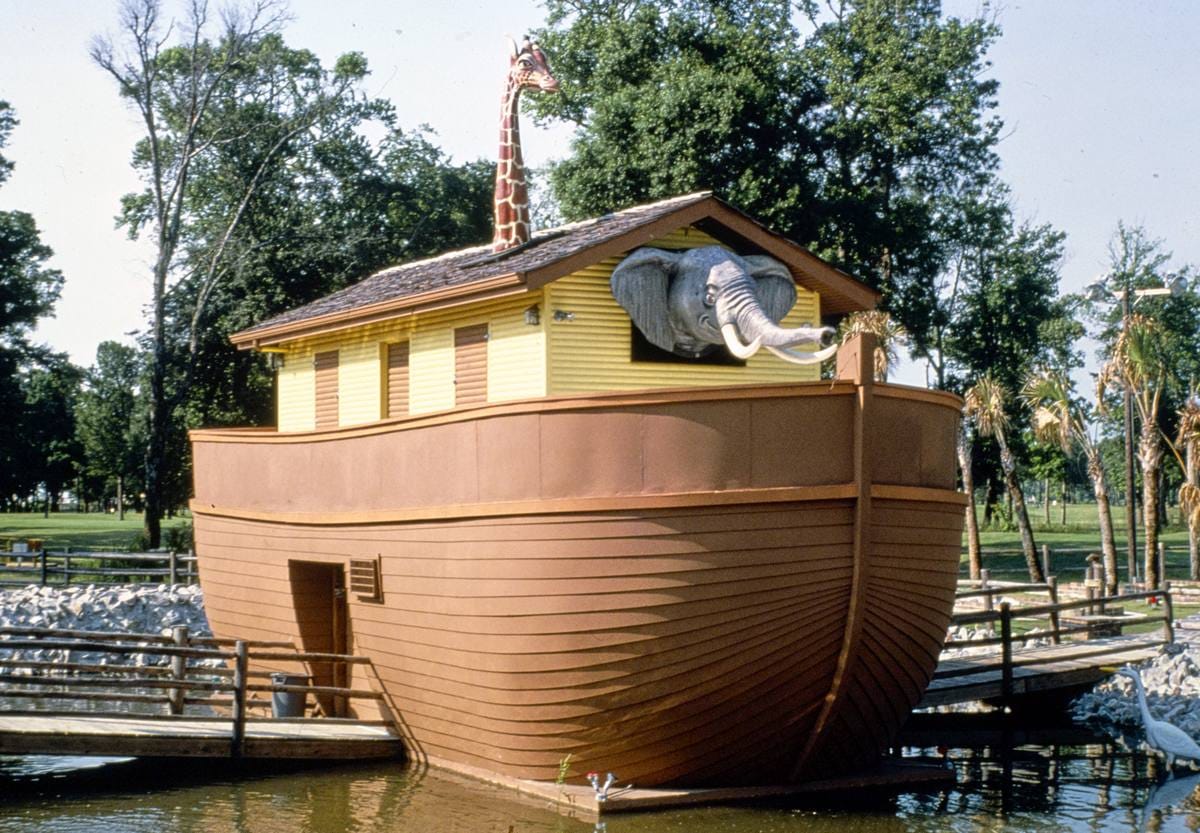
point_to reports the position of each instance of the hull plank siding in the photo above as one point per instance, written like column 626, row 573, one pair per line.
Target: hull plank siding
column 677, row 616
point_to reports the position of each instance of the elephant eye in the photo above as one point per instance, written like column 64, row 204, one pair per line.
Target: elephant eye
column 710, row 296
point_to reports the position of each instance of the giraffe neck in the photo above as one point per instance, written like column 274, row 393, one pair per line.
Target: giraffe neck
column 511, row 201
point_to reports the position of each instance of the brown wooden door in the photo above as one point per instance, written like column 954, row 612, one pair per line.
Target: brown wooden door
column 470, row 365
column 395, row 398
column 326, row 365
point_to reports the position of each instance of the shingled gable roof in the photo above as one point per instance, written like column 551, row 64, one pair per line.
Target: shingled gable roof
column 475, row 274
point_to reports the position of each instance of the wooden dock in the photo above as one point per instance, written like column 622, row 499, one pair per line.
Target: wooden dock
column 1016, row 669
column 139, row 736
column 150, row 695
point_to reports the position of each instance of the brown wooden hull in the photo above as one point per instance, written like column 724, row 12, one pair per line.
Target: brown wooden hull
column 681, row 587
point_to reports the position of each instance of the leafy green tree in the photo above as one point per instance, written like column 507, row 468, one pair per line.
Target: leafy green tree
column 186, row 96
column 858, row 140
column 28, row 291
column 106, row 419
column 53, row 456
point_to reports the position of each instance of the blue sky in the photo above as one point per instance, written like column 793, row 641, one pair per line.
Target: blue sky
column 1101, row 100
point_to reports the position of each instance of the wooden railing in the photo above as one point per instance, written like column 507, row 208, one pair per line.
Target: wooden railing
column 63, row 568
column 1005, row 614
column 174, row 687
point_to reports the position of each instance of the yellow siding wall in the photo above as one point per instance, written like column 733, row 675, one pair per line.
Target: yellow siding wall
column 590, row 352
column 516, row 363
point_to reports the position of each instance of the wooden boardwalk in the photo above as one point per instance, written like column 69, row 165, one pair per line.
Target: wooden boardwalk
column 1035, row 670
column 133, row 736
column 1014, row 669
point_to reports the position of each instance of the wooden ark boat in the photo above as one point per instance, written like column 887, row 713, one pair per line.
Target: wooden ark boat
column 720, row 582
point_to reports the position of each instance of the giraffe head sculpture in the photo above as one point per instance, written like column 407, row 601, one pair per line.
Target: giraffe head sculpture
column 527, row 69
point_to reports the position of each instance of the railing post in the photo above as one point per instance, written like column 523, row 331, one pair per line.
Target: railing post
column 1046, row 571
column 42, row 564
column 1169, row 619
column 179, row 635
column 984, row 574
column 1052, row 583
column 173, row 567
column 238, row 740
column 1006, row 668
column 67, row 567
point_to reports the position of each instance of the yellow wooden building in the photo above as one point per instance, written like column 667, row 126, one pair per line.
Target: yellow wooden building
column 473, row 326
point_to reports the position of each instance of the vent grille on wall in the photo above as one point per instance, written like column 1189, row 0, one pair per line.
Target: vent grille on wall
column 365, row 580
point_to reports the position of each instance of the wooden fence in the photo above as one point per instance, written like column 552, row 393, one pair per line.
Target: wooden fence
column 63, row 568
column 187, row 677
column 1052, row 557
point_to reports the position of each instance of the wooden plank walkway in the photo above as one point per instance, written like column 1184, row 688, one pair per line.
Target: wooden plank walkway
column 1035, row 670
column 76, row 734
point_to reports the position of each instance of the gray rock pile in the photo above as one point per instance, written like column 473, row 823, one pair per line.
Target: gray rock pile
column 1172, row 681
column 133, row 609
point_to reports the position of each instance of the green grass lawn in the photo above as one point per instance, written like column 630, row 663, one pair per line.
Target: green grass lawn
column 79, row 531
column 1081, row 533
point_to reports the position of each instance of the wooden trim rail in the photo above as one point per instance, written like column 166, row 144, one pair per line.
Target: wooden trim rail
column 43, row 567
column 175, row 682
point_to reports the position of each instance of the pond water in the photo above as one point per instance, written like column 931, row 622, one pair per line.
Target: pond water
column 1066, row 781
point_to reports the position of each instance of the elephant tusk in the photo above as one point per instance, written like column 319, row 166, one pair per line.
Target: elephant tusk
column 803, row 358
column 742, row 351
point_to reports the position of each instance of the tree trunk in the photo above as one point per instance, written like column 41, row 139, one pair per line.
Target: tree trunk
column 974, row 557
column 1064, row 505
column 121, row 497
column 1019, row 511
column 1193, row 477
column 1150, row 453
column 1108, row 541
column 1046, row 498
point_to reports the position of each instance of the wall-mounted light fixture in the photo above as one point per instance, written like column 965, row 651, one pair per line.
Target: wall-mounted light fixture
column 275, row 358
column 533, row 316
column 563, row 315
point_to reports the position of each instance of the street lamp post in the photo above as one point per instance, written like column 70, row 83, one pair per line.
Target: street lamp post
column 1130, row 491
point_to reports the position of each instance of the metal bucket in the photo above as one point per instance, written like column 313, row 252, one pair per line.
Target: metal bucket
column 288, row 703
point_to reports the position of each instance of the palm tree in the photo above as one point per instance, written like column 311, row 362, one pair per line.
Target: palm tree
column 1189, row 493
column 1138, row 365
column 1057, row 418
column 965, row 443
column 985, row 403
column 889, row 335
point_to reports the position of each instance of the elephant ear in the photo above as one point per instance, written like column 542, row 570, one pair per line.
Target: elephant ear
column 776, row 286
column 640, row 283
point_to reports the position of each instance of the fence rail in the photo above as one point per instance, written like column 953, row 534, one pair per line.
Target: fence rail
column 187, row 672
column 63, row 568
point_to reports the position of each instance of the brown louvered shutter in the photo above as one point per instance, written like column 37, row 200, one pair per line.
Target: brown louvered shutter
column 396, row 396
column 470, row 365
column 326, row 365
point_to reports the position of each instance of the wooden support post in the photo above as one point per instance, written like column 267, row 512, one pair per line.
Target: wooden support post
column 173, row 567
column 1046, row 571
column 238, row 740
column 179, row 635
column 1169, row 619
column 1006, row 668
column 67, row 567
column 42, row 564
column 984, row 574
column 1052, row 583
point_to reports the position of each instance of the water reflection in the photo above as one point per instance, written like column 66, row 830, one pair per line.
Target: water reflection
column 1058, row 779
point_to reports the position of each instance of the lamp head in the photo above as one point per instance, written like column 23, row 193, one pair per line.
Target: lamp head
column 1177, row 285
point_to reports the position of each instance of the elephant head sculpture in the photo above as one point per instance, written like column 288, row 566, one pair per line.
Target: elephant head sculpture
column 689, row 302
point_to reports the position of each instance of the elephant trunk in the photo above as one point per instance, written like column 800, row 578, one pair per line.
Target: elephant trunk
column 742, row 319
